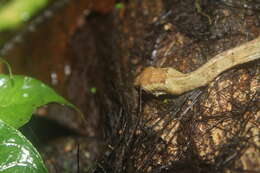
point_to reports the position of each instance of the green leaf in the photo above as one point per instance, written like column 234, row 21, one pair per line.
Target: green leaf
column 17, row 154
column 21, row 95
column 16, row 12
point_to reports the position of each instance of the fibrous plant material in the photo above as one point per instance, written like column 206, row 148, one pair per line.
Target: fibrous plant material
column 160, row 81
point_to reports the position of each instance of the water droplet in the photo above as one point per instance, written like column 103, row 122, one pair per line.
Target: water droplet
column 2, row 82
column 67, row 70
column 54, row 78
column 48, row 14
column 18, row 39
column 154, row 54
column 11, row 140
column 25, row 86
column 25, row 95
column 7, row 47
column 25, row 16
column 31, row 28
column 27, row 79
column 25, row 156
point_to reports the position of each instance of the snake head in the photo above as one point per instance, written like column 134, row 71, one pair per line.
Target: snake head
column 151, row 80
column 160, row 81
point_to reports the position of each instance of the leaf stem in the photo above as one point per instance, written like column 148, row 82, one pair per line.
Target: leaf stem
column 8, row 68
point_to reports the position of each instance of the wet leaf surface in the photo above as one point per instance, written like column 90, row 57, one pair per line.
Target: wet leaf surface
column 17, row 154
column 21, row 96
